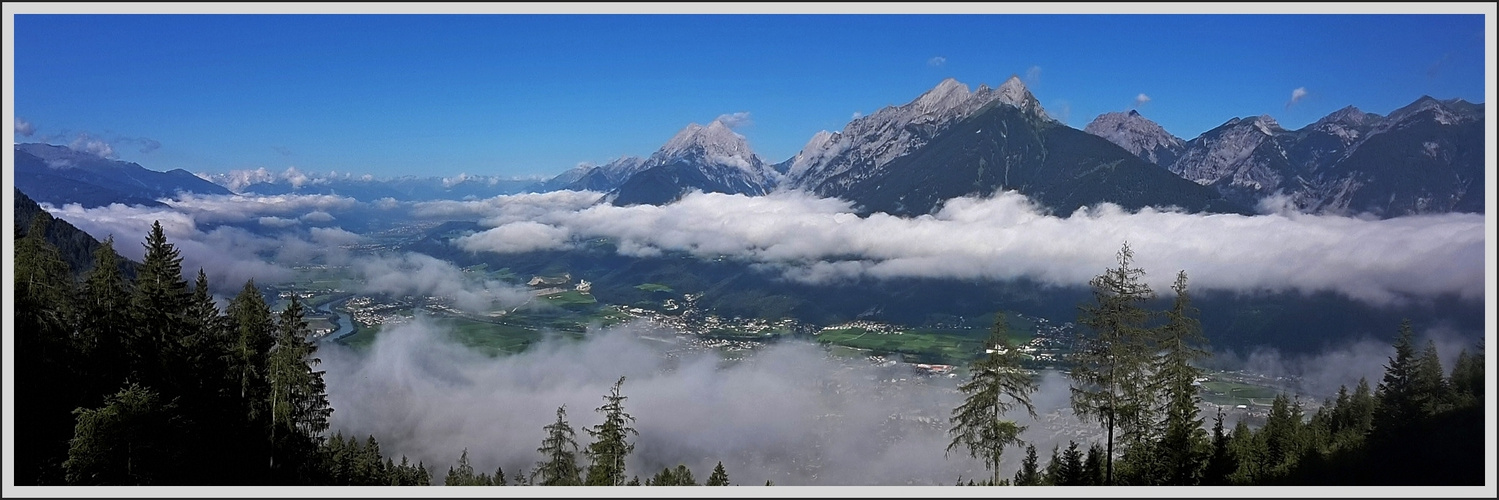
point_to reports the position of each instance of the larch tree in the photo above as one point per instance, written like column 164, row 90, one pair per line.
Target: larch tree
column 1111, row 368
column 611, row 441
column 559, row 451
column 996, row 385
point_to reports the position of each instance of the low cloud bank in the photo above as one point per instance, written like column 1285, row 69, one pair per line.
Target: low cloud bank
column 820, row 240
column 786, row 413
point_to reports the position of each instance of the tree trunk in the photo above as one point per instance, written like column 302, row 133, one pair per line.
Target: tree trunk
column 1109, row 459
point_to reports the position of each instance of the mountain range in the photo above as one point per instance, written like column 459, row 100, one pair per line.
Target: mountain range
column 1426, row 157
column 59, row 175
column 909, row 159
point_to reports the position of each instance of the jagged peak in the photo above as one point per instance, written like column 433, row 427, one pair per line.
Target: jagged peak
column 1134, row 113
column 947, row 94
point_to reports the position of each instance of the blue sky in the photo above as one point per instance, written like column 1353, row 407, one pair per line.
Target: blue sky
column 517, row 95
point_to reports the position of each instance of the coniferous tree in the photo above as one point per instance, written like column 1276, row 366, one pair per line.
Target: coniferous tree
column 681, row 476
column 1111, row 368
column 103, row 320
column 1053, row 475
column 559, row 465
column 299, row 408
column 720, row 477
column 996, row 385
column 1431, row 386
column 1071, row 472
column 1283, row 435
column 43, row 287
column 1093, row 466
column 254, row 334
column 635, row 481
column 610, row 445
column 463, row 475
column 1399, row 397
column 1030, row 472
column 1182, row 342
column 1220, row 462
column 1466, row 382
column 159, row 306
column 1249, row 453
column 123, row 442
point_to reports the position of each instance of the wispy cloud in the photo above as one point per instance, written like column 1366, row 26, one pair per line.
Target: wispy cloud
column 1296, row 96
column 936, row 62
column 24, row 128
column 856, row 115
column 1141, row 99
column 1033, row 75
column 735, row 120
column 1436, row 67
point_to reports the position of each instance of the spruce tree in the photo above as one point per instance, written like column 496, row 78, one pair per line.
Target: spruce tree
column 1431, row 386
column 610, row 445
column 1029, row 473
column 1053, row 475
column 299, row 408
column 1182, row 346
column 996, row 385
column 103, row 320
column 559, row 465
column 1399, row 394
column 253, row 334
column 720, row 477
column 159, row 307
column 1111, row 367
column 1220, row 461
column 1071, row 472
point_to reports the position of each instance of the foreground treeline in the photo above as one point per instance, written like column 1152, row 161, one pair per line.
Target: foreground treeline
column 1135, row 372
column 145, row 381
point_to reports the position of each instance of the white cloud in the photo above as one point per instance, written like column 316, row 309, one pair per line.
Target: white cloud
column 92, row 145
column 1296, row 96
column 236, row 208
column 786, row 413
column 24, row 128
column 273, row 221
column 1141, row 99
column 856, row 115
column 318, row 216
column 735, row 120
column 936, row 62
column 419, row 274
column 1006, row 237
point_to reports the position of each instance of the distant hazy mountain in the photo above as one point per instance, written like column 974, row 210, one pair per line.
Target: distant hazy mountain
column 59, row 175
column 407, row 188
column 606, row 177
column 709, row 158
column 949, row 142
column 1425, row 157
